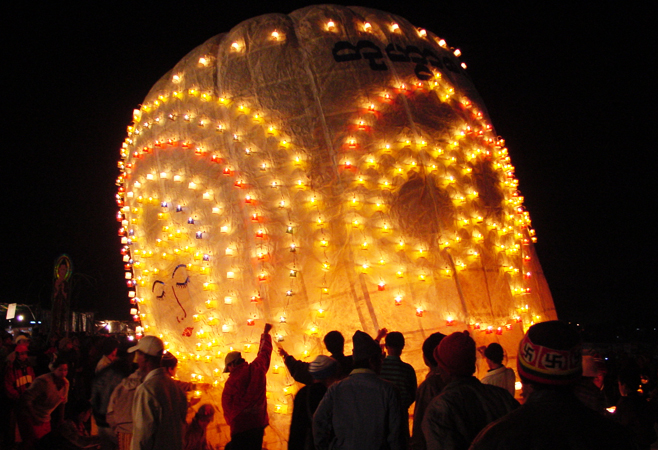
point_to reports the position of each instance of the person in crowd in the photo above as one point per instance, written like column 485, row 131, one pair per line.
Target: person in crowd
column 587, row 389
column 335, row 344
column 19, row 339
column 6, row 347
column 170, row 364
column 498, row 374
column 549, row 364
column 401, row 374
column 632, row 409
column 243, row 399
column 323, row 370
column 42, row 405
column 159, row 406
column 7, row 425
column 195, row 436
column 361, row 411
column 109, row 349
column 119, row 410
column 428, row 389
column 465, row 406
column 18, row 378
column 74, row 433
column 104, row 383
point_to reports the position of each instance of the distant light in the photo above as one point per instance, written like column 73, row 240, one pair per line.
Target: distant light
column 32, row 321
column 20, row 318
column 131, row 338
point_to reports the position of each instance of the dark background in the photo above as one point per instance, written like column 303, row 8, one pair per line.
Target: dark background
column 569, row 86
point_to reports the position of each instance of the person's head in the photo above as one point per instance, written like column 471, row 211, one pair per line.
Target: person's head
column 109, row 348
column 335, row 342
column 62, row 269
column 455, row 356
column 21, row 352
column 59, row 368
column 394, row 343
column 204, row 415
column 629, row 379
column 169, row 363
column 494, row 353
column 550, row 356
column 65, row 344
column 366, row 352
column 7, row 338
column 79, row 410
column 22, row 338
column 429, row 346
column 148, row 352
column 232, row 360
column 323, row 368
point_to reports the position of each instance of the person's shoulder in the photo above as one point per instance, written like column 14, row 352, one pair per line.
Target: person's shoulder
column 495, row 390
column 408, row 366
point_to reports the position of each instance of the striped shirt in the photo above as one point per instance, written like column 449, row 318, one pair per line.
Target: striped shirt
column 403, row 376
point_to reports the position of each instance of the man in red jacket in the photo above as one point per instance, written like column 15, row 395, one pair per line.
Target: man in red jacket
column 243, row 399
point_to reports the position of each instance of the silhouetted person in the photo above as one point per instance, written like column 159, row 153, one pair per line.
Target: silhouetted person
column 465, row 406
column 323, row 370
column 498, row 374
column 549, row 364
column 159, row 406
column 428, row 389
column 335, row 344
column 243, row 399
column 401, row 374
column 361, row 411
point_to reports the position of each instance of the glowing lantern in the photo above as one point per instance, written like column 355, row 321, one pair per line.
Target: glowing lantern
column 389, row 196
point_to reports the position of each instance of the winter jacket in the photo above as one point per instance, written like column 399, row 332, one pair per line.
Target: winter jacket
column 243, row 399
column 553, row 419
column 18, row 378
column 119, row 411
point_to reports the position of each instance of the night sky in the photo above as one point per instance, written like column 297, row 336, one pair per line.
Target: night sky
column 568, row 87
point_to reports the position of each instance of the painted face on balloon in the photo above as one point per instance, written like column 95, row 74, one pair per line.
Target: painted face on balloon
column 174, row 296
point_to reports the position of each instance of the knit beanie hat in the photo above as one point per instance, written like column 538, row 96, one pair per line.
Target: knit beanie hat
column 364, row 346
column 169, row 360
column 494, row 352
column 550, row 354
column 456, row 354
column 322, row 367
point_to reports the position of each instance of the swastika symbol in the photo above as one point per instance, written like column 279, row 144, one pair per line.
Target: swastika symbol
column 528, row 352
column 553, row 360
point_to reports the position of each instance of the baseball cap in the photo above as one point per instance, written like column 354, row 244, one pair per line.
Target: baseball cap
column 230, row 357
column 149, row 345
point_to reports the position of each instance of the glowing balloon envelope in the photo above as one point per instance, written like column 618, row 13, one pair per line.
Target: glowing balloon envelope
column 331, row 169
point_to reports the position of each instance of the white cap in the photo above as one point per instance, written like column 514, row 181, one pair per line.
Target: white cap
column 149, row 345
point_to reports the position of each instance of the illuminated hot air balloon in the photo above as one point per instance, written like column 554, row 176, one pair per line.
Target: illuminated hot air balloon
column 331, row 169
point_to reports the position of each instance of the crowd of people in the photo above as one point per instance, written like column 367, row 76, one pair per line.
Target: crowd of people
column 368, row 400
